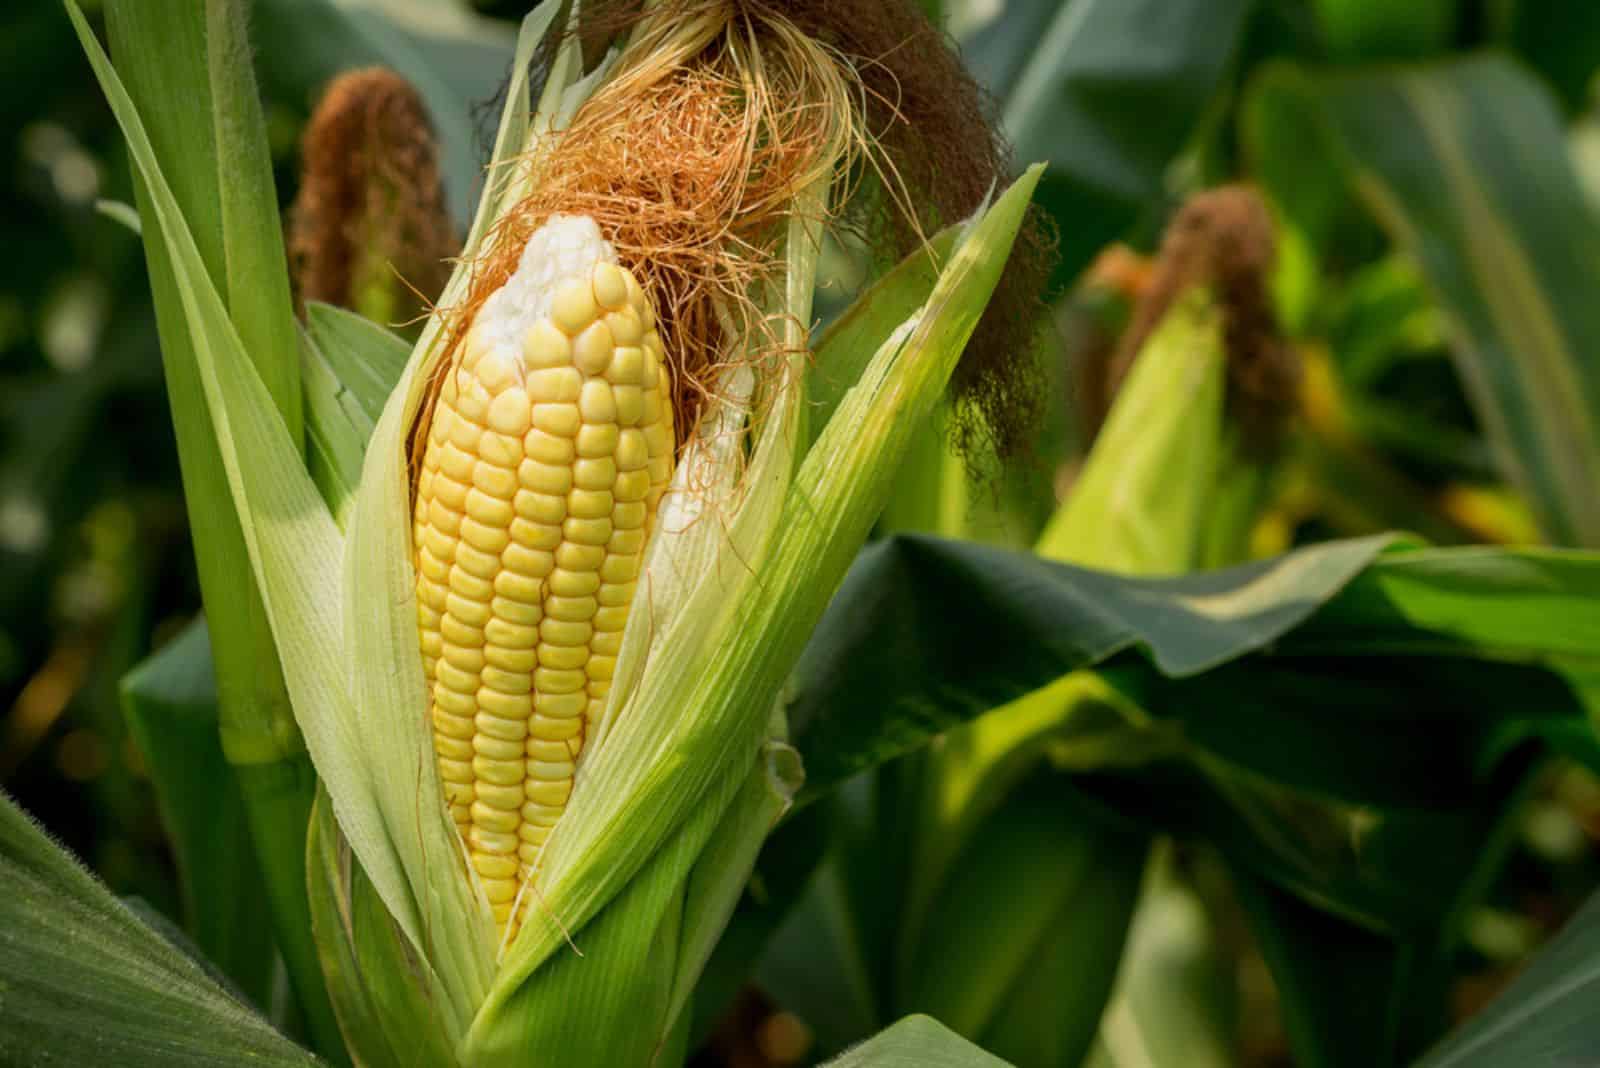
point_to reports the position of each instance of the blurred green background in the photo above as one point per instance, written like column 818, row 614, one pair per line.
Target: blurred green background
column 95, row 565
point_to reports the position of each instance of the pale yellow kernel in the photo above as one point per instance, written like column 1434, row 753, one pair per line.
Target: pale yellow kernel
column 505, row 728
column 464, row 435
column 564, row 583
column 631, row 486
column 574, row 609
column 432, row 644
column 432, row 593
column 610, row 285
column 438, row 542
column 444, row 418
column 601, row 668
column 457, row 463
column 545, row 749
column 488, row 509
column 537, row 820
column 606, row 619
column 500, row 891
column 591, row 350
column 476, row 561
column 626, row 541
column 652, row 407
column 467, row 584
column 507, row 797
column 627, row 366
column 554, row 680
column 472, row 613
column 590, row 504
column 549, row 793
column 546, row 448
column 595, row 473
column 626, row 327
column 510, row 412
column 456, row 770
column 531, row 535
column 545, row 346
column 613, row 594
column 658, row 436
column 453, row 748
column 596, row 403
column 543, row 508
column 505, row 706
column 630, row 404
column 516, row 583
column 619, row 569
column 633, row 451
column 636, row 295
column 527, row 561
column 629, row 516
column 652, row 341
column 473, row 401
column 582, row 531
column 517, row 609
column 495, row 480
column 450, row 492
column 445, row 518
column 502, row 450
column 431, row 566
column 562, row 420
column 510, row 659
column 573, row 306
column 451, row 706
column 486, row 537
column 554, row 385
column 491, row 748
column 489, row 865
column 453, row 678
column 560, row 705
column 563, row 729
column 562, row 656
column 544, row 478
column 507, row 635
column 507, row 681
column 496, row 370
column 564, row 632
column 575, row 557
column 467, row 658
column 453, row 630
column 599, row 440
column 547, row 771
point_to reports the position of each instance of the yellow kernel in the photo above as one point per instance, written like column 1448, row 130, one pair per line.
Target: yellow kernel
column 495, row 480
column 453, row 630
column 606, row 644
column 613, row 594
column 432, row 594
column 630, row 404
column 439, row 543
column 619, row 569
column 501, row 450
column 553, row 794
column 517, row 584
column 629, row 516
column 469, row 585
column 446, row 519
column 483, row 537
column 456, row 770
column 453, row 748
column 473, row 401
column 564, row 632
column 576, row 557
column 560, row 705
column 545, row 478
column 606, row 619
column 631, row 486
column 489, row 747
column 652, row 406
column 505, row 708
column 496, row 370
column 589, row 504
column 457, row 463
column 573, row 306
column 546, row 749
column 636, row 295
column 453, row 678
column 570, row 608
column 542, row 508
column 476, row 562
column 627, row 541
column 561, row 420
column 505, row 728
column 500, row 892
column 545, row 346
column 626, row 327
column 488, row 865
column 562, row 656
column 503, row 681
column 507, row 635
column 596, row 403
column 431, row 566
column 595, row 473
column 610, row 286
column 553, row 680
column 452, row 705
column 510, row 659
column 598, row 440
column 472, row 613
column 554, row 385
column 582, row 531
column 591, row 350
column 464, row 435
column 565, row 583
column 467, row 658
column 545, row 448
column 507, row 797
column 627, row 366
column 633, row 452
column 531, row 535
column 510, row 411
column 548, row 771
column 488, row 509
column 450, row 492
column 516, row 610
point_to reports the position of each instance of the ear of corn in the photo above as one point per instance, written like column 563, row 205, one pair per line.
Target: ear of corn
column 547, row 452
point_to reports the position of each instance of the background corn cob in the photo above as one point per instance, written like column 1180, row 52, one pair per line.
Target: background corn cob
column 546, row 454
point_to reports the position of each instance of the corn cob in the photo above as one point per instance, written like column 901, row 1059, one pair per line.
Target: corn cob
column 550, row 445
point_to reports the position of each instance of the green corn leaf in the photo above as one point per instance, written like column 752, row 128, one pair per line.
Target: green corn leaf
column 337, row 429
column 170, row 702
column 917, row 1042
column 86, row 983
column 366, row 359
column 1465, row 164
